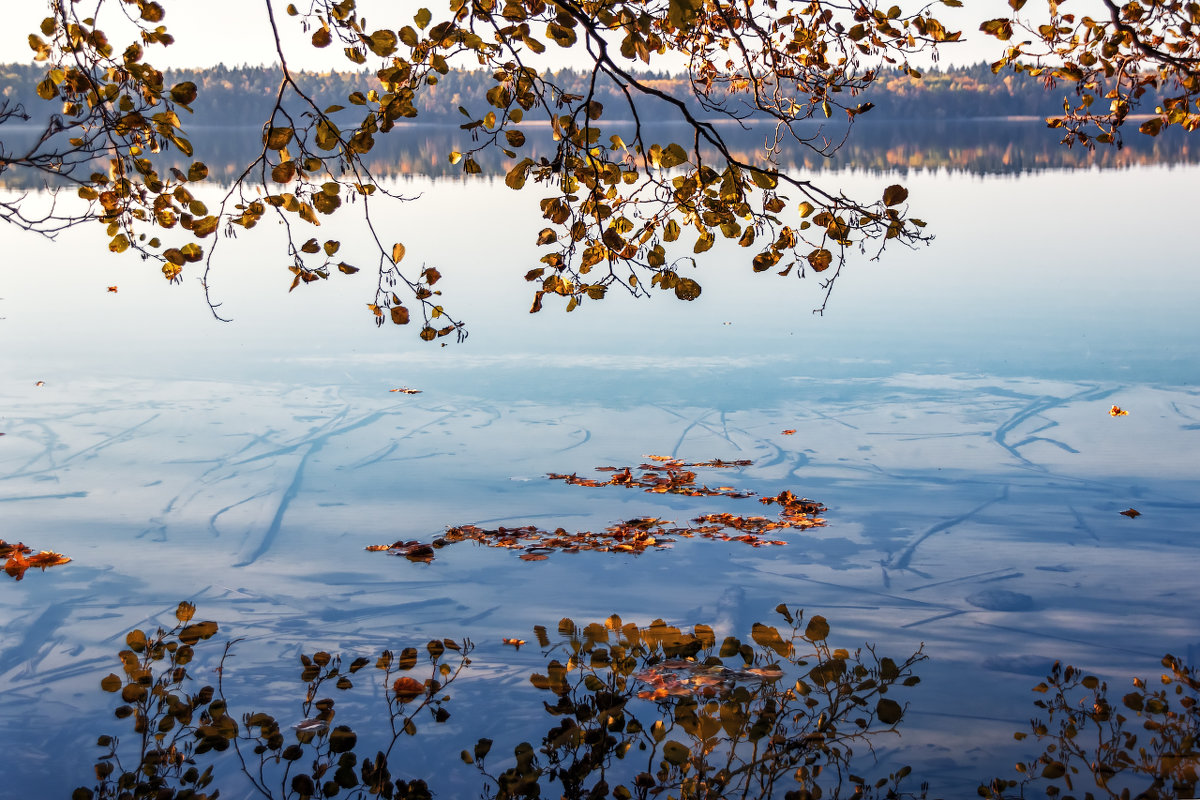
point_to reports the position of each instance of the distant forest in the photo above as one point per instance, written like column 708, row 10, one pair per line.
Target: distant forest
column 244, row 95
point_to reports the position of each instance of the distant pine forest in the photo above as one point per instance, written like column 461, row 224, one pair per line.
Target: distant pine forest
column 234, row 96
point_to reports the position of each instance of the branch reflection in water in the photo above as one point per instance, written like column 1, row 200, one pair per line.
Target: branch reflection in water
column 638, row 711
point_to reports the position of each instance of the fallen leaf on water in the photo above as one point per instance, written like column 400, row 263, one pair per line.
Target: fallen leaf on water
column 405, row 390
column 514, row 642
column 1131, row 513
column 18, row 559
column 112, row 289
column 789, row 431
column 1117, row 411
column 40, row 383
column 664, row 474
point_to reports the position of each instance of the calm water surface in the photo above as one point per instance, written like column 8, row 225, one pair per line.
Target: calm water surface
column 950, row 410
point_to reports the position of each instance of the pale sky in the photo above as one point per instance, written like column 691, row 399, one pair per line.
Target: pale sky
column 208, row 32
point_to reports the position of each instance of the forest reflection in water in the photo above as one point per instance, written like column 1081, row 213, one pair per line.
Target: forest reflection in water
column 974, row 146
column 634, row 711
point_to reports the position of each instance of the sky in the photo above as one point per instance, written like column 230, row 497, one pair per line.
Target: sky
column 236, row 31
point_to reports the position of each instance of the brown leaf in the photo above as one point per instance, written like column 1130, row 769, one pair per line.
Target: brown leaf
column 407, row 689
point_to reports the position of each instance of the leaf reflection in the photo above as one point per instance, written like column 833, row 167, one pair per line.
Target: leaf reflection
column 637, row 711
column 177, row 727
column 643, row 711
column 1146, row 746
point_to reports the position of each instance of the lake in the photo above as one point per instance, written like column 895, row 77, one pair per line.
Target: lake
column 950, row 412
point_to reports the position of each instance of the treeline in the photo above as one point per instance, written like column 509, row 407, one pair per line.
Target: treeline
column 244, row 95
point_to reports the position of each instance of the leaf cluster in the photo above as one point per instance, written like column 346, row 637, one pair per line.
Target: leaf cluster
column 662, row 476
column 615, row 209
column 643, row 711
column 1131, row 53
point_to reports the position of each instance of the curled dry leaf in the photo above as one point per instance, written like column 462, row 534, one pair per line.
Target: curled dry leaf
column 18, row 559
column 112, row 289
column 789, row 432
column 1131, row 513
column 405, row 390
column 1117, row 411
column 669, row 476
column 514, row 642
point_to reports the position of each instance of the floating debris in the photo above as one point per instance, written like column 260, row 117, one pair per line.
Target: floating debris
column 18, row 559
column 680, row 678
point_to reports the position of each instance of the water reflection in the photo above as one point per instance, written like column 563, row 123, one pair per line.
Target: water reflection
column 1147, row 745
column 633, row 711
column 981, row 147
column 637, row 711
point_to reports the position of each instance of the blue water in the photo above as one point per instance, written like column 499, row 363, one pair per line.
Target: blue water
column 950, row 410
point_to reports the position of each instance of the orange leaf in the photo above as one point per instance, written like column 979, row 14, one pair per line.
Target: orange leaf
column 407, row 689
column 1131, row 513
column 1117, row 411
column 789, row 431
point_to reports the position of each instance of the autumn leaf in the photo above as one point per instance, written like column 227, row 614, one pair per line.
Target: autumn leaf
column 1117, row 411
column 1131, row 513
column 18, row 560
column 514, row 642
column 405, row 390
column 112, row 289
column 789, row 431
column 407, row 689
